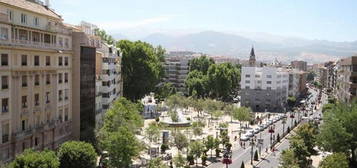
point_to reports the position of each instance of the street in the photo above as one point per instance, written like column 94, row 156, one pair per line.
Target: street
column 244, row 154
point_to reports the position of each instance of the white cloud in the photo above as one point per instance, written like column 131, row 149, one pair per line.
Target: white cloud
column 120, row 25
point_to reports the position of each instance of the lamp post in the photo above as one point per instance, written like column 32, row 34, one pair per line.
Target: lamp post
column 251, row 152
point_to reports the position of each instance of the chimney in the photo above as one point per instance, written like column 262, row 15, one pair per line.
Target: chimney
column 47, row 3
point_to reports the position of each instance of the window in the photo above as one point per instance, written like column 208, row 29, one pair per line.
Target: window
column 268, row 82
column 37, row 60
column 23, row 18
column 110, row 50
column 268, row 88
column 4, row 59
column 268, row 76
column 247, row 81
column 259, row 81
column 48, row 60
column 47, row 97
column 5, row 105
column 36, row 141
column 37, row 99
column 60, row 78
column 247, row 76
column 60, row 95
column 60, row 61
column 66, row 94
column 247, row 87
column 65, row 61
column 24, row 101
column 66, row 114
column 23, row 126
column 4, row 82
column 10, row 13
column 66, row 43
column 37, row 80
column 5, row 132
column 36, row 21
column 4, row 33
column 60, row 41
column 257, row 76
column 66, row 78
column 24, row 81
column 24, row 60
column 48, row 79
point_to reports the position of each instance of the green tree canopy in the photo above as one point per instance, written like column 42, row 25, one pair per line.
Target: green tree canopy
column 288, row 159
column 122, row 147
column 336, row 160
column 104, row 36
column 180, row 140
column 75, row 154
column 157, row 163
column 196, row 83
column 200, row 64
column 152, row 132
column 142, row 68
column 32, row 159
column 196, row 149
column 165, row 90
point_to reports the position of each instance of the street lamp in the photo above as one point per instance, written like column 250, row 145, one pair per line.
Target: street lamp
column 251, row 152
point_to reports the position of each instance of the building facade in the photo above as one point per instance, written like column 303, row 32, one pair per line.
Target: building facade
column 176, row 71
column 323, row 76
column 264, row 88
column 347, row 79
column 300, row 65
column 294, row 83
column 109, row 80
column 36, row 78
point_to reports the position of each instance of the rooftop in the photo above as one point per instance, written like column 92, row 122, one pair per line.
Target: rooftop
column 33, row 7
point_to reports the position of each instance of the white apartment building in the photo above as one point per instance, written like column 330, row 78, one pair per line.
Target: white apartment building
column 108, row 68
column 176, row 71
column 36, row 78
column 264, row 88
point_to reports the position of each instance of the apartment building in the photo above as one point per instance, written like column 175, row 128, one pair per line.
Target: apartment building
column 323, row 76
column 109, row 80
column 347, row 79
column 331, row 75
column 300, row 65
column 176, row 71
column 36, row 78
column 294, row 83
column 264, row 88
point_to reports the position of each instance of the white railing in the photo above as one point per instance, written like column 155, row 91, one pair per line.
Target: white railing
column 35, row 44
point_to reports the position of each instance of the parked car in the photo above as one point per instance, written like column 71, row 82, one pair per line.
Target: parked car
column 244, row 137
column 256, row 130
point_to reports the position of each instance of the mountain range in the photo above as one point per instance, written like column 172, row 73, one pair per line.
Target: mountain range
column 267, row 47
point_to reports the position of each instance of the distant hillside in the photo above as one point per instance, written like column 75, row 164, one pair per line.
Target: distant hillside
column 267, row 48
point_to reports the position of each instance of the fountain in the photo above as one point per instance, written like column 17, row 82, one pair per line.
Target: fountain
column 181, row 121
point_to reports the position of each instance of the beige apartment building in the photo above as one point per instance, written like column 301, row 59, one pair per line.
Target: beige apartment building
column 347, row 79
column 35, row 77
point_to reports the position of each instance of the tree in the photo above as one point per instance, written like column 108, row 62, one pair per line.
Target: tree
column 197, row 128
column 196, row 149
column 122, row 146
column 104, row 36
column 200, row 64
column 196, row 84
column 308, row 134
column 327, row 107
column 32, row 159
column 223, row 80
column 180, row 140
column 156, row 163
column 300, row 150
column 242, row 114
column 335, row 160
column 165, row 90
column 210, row 143
column 291, row 101
column 198, row 105
column 142, row 68
column 179, row 161
column 123, row 113
column 288, row 159
column 152, row 132
column 77, row 155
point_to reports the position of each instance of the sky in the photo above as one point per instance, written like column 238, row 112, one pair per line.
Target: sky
column 333, row 20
